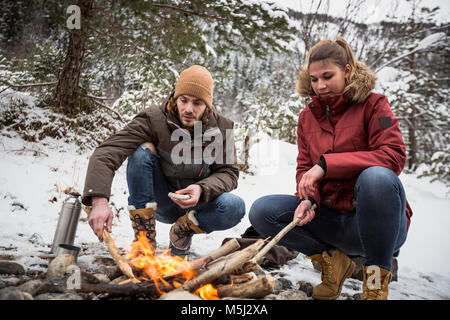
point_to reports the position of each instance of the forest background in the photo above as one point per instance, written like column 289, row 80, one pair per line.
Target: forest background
column 124, row 56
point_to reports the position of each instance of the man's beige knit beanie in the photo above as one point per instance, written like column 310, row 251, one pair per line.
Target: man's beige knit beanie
column 196, row 81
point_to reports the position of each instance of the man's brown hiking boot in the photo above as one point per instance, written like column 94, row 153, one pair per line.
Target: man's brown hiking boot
column 182, row 231
column 143, row 220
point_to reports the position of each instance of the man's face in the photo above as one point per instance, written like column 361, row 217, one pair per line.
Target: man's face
column 190, row 109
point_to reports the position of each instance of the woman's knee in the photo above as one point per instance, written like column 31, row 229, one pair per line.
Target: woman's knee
column 377, row 177
column 257, row 211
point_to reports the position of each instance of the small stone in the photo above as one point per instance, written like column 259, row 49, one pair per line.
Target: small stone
column 179, row 295
column 59, row 265
column 12, row 293
column 31, row 286
column 58, row 296
column 11, row 267
column 282, row 284
column 357, row 296
column 306, row 287
column 292, row 295
column 102, row 278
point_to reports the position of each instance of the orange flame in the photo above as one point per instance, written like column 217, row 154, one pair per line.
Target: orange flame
column 156, row 266
column 207, row 292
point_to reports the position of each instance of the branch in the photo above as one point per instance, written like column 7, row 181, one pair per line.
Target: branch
column 94, row 99
column 12, row 85
column 202, row 15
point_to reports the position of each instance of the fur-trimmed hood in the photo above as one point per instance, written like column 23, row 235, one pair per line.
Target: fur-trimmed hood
column 360, row 85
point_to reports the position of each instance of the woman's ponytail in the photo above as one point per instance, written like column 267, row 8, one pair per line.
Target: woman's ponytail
column 349, row 53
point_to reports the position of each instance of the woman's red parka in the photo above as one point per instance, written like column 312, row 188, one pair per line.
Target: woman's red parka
column 352, row 131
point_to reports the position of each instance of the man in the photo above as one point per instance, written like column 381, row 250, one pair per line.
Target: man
column 159, row 163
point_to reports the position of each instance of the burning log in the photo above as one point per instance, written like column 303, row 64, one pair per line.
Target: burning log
column 147, row 288
column 255, row 289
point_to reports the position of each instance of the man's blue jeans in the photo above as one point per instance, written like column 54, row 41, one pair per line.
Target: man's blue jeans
column 375, row 231
column 147, row 183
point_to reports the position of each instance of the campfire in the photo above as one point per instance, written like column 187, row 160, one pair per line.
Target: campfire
column 149, row 264
column 224, row 272
column 228, row 271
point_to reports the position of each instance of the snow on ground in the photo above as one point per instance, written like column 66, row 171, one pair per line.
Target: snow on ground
column 32, row 174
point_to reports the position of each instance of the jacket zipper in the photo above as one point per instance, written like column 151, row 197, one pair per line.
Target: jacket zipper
column 328, row 112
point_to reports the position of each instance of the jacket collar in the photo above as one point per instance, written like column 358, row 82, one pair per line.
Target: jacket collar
column 330, row 105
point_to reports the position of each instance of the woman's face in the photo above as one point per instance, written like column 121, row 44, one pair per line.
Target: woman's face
column 327, row 77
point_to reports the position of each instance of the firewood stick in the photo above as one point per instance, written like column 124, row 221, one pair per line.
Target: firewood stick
column 249, row 266
column 200, row 263
column 278, row 237
column 228, row 247
column 241, row 278
column 128, row 289
column 223, row 267
column 230, row 256
column 120, row 261
column 255, row 289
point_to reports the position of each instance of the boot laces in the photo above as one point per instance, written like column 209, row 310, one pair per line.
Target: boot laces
column 373, row 294
column 327, row 269
column 376, row 294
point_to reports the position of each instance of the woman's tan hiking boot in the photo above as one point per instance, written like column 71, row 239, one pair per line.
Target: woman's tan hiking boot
column 375, row 283
column 335, row 269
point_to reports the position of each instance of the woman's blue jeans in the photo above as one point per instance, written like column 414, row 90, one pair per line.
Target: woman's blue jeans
column 375, row 231
column 147, row 183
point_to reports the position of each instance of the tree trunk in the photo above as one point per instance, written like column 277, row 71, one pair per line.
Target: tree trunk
column 67, row 94
column 412, row 159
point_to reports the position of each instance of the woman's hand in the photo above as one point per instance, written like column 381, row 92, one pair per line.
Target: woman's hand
column 305, row 212
column 194, row 191
column 306, row 186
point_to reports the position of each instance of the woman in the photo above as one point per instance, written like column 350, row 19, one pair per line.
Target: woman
column 350, row 153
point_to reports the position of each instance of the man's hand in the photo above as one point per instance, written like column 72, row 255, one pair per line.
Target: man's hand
column 100, row 214
column 304, row 210
column 194, row 191
column 306, row 186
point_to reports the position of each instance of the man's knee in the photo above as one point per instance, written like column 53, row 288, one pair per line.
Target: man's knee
column 151, row 147
column 230, row 204
column 141, row 155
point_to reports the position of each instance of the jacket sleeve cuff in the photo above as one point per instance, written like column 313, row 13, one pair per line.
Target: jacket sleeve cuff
column 323, row 164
